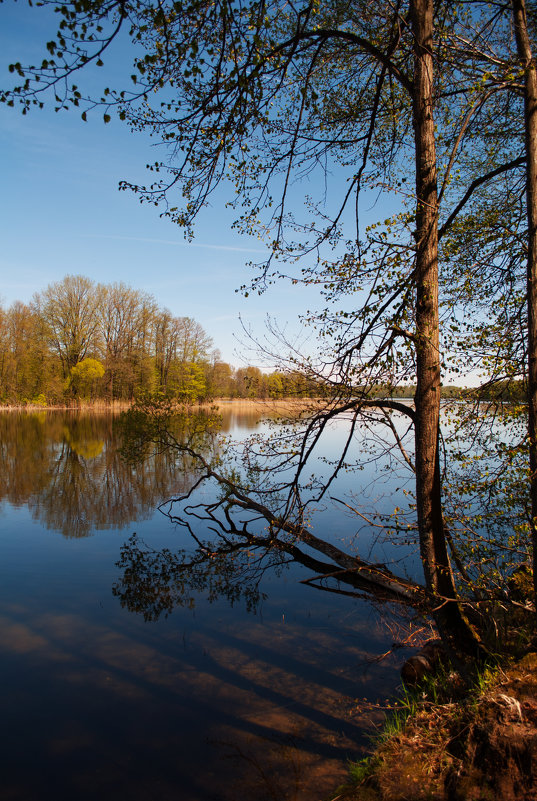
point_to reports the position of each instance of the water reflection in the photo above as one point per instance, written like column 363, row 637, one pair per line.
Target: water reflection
column 210, row 704
column 67, row 469
column 155, row 582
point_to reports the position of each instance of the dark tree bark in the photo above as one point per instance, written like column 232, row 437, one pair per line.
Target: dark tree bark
column 530, row 126
column 453, row 626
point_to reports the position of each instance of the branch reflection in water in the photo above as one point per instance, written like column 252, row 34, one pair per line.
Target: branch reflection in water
column 243, row 517
column 66, row 467
column 132, row 707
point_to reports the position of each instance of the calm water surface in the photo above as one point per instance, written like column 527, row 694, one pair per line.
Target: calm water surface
column 212, row 702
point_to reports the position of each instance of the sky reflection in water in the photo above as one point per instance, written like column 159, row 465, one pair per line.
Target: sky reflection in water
column 210, row 703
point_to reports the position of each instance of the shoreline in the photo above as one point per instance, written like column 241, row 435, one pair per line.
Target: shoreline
column 478, row 745
column 284, row 404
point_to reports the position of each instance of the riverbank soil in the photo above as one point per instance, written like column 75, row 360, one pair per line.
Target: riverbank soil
column 481, row 748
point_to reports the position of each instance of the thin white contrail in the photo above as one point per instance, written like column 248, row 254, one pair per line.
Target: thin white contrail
column 175, row 242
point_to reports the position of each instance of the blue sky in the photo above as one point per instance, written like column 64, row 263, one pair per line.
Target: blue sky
column 61, row 213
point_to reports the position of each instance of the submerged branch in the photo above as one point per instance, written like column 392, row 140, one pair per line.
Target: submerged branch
column 352, row 570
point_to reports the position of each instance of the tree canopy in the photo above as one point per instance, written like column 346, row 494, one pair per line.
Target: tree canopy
column 120, row 346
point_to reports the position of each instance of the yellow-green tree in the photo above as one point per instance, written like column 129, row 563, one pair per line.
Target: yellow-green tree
column 85, row 377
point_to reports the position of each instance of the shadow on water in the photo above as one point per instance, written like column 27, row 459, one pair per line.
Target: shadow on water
column 110, row 709
column 209, row 704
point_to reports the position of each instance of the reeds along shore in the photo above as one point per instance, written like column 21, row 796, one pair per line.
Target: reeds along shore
column 282, row 406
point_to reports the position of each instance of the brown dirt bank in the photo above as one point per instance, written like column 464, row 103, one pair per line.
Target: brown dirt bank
column 482, row 748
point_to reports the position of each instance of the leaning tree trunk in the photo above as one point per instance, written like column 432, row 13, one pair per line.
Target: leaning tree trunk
column 452, row 624
column 530, row 125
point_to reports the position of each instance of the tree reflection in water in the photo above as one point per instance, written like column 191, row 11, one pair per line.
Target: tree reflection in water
column 79, row 473
column 68, row 469
column 244, row 705
column 154, row 582
column 234, row 537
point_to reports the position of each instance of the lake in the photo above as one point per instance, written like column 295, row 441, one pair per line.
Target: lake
column 211, row 702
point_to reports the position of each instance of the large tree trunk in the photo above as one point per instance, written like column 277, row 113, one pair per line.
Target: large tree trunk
column 530, row 124
column 452, row 624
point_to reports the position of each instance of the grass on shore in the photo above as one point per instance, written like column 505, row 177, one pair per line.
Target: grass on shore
column 444, row 740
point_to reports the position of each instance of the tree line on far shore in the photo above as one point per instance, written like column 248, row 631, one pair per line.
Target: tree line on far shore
column 82, row 340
